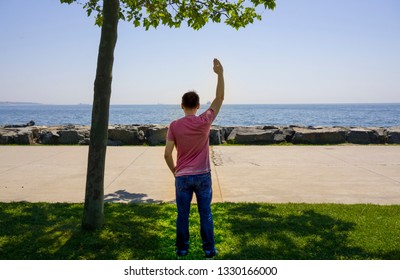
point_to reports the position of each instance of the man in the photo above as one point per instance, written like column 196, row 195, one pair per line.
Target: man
column 190, row 136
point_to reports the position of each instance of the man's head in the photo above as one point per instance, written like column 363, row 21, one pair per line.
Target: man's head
column 190, row 101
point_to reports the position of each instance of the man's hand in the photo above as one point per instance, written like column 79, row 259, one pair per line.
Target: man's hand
column 218, row 69
column 220, row 92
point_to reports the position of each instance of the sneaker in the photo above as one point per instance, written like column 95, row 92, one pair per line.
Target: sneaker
column 181, row 253
column 211, row 254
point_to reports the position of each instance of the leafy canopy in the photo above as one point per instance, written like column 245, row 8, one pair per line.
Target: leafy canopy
column 172, row 13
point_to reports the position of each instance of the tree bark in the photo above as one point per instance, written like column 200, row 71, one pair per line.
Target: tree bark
column 93, row 216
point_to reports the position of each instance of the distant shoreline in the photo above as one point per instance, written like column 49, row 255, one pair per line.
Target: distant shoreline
column 205, row 104
column 19, row 103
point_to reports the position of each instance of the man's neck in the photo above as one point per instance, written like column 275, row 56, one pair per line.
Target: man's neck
column 190, row 112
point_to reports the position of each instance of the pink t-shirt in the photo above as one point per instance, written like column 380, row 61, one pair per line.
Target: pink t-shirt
column 191, row 137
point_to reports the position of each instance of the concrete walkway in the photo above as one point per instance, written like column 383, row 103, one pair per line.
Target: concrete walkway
column 312, row 174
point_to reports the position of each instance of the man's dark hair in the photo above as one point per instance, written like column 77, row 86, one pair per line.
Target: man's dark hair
column 190, row 100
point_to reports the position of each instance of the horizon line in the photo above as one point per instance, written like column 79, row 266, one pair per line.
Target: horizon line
column 202, row 104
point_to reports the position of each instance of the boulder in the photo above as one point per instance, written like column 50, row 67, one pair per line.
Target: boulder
column 225, row 132
column 36, row 133
column 31, row 123
column 143, row 128
column 362, row 135
column 393, row 135
column 251, row 136
column 266, row 127
column 70, row 137
column 24, row 137
column 312, row 135
column 284, row 134
column 216, row 137
column 111, row 142
column 279, row 137
column 7, row 136
column 49, row 137
column 381, row 132
column 125, row 135
column 85, row 141
column 84, row 131
column 156, row 135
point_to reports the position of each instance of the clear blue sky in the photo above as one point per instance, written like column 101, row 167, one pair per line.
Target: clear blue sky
column 310, row 51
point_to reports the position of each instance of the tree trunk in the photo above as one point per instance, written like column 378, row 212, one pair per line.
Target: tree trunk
column 93, row 216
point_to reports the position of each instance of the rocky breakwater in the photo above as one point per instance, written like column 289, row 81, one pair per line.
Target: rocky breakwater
column 314, row 135
column 153, row 135
column 118, row 135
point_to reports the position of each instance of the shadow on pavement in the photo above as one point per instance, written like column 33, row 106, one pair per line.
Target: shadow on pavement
column 127, row 197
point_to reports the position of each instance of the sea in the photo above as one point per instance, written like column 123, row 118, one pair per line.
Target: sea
column 365, row 115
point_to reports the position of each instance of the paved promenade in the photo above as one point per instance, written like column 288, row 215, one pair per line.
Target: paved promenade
column 312, row 174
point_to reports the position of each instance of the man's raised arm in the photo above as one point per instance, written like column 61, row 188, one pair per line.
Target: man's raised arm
column 219, row 96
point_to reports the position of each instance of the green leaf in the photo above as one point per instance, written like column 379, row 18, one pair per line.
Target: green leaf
column 67, row 1
column 196, row 13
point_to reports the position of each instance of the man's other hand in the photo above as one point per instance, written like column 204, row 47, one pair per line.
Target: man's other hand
column 218, row 67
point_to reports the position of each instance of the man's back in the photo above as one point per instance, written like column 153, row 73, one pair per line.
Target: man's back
column 192, row 132
column 191, row 137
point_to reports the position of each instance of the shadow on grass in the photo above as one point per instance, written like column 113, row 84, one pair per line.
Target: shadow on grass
column 53, row 231
column 300, row 233
column 242, row 231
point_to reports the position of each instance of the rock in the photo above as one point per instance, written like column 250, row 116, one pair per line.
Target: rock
column 24, row 137
column 266, row 127
column 36, row 133
column 125, row 135
column 42, row 138
column 144, row 128
column 279, row 138
column 312, row 135
column 251, row 136
column 49, row 137
column 393, row 135
column 7, row 136
column 114, row 143
column 31, row 123
column 361, row 135
column 284, row 134
column 225, row 132
column 156, row 135
column 69, row 127
column 381, row 132
column 85, row 141
column 84, row 131
column 216, row 135
column 70, row 137
column 297, row 126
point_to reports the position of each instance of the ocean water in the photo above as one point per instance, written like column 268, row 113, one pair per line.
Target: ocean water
column 380, row 115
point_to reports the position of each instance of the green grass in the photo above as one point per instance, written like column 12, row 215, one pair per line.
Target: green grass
column 242, row 231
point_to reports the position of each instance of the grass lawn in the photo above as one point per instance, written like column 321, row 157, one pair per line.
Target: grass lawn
column 242, row 231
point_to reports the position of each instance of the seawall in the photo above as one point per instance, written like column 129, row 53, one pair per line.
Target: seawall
column 153, row 135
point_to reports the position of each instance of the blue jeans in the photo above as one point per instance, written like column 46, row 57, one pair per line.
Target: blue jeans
column 201, row 186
